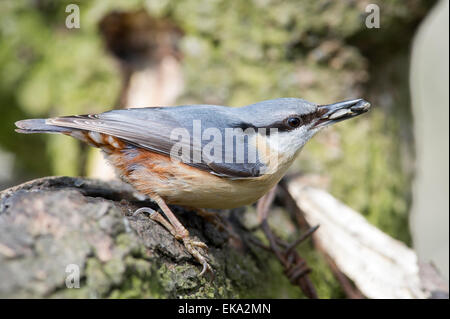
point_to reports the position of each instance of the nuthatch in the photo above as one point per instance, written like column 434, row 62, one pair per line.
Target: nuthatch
column 192, row 156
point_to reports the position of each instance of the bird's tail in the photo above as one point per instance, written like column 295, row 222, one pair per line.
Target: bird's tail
column 106, row 142
column 39, row 126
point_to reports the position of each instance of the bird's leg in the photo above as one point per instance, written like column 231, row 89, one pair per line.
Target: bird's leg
column 153, row 214
column 179, row 232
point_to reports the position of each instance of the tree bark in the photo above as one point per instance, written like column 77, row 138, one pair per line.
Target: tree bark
column 51, row 228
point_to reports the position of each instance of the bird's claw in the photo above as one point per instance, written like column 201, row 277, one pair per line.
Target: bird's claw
column 144, row 210
column 200, row 244
column 192, row 247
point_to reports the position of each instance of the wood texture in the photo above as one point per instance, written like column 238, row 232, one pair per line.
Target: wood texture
column 379, row 265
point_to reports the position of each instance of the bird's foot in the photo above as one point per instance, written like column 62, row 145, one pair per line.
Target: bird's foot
column 194, row 247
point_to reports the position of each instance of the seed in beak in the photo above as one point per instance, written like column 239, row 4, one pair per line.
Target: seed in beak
column 361, row 106
column 339, row 113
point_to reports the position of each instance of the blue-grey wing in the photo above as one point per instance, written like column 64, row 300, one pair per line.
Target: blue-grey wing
column 182, row 132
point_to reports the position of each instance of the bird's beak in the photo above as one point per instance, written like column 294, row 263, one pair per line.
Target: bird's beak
column 336, row 112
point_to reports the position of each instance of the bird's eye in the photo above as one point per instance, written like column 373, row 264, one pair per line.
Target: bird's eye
column 294, row 122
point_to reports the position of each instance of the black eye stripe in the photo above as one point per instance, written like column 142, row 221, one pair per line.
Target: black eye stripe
column 283, row 126
column 307, row 118
column 303, row 119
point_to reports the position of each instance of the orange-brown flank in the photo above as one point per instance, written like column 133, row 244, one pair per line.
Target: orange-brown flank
column 181, row 184
column 177, row 183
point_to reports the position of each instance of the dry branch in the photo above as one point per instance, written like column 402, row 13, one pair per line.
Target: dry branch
column 379, row 265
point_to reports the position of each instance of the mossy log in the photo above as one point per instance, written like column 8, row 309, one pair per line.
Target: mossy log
column 51, row 225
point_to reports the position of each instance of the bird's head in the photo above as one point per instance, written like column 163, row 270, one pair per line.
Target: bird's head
column 296, row 120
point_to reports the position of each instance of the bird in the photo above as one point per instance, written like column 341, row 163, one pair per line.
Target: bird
column 201, row 156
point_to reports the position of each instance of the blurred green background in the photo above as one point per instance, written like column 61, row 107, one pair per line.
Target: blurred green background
column 232, row 53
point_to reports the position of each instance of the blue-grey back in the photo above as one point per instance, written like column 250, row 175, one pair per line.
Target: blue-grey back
column 161, row 129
